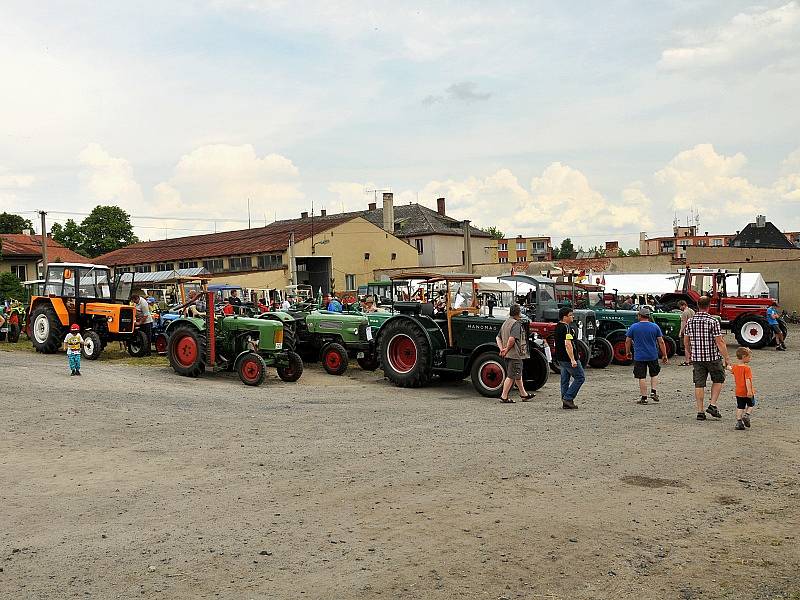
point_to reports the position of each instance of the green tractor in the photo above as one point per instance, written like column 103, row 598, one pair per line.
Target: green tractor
column 334, row 337
column 613, row 324
column 221, row 342
column 417, row 343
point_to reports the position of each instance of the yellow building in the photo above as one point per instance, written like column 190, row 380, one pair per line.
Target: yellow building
column 334, row 253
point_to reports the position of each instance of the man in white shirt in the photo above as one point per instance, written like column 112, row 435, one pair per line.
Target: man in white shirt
column 144, row 320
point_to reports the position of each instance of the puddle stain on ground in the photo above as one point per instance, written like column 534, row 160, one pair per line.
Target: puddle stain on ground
column 651, row 482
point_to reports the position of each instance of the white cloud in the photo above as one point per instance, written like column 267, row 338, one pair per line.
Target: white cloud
column 764, row 36
column 14, row 180
column 108, row 179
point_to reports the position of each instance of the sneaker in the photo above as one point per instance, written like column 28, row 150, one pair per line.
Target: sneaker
column 78, row 372
column 568, row 404
column 641, row 401
column 746, row 420
column 713, row 411
column 701, row 416
column 739, row 426
column 72, row 374
column 780, row 348
column 654, row 396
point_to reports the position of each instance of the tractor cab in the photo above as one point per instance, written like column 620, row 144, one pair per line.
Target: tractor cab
column 536, row 294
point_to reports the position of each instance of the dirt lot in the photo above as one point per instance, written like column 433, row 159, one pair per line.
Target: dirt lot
column 132, row 482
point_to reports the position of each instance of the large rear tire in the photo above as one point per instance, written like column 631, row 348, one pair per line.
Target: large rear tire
column 295, row 369
column 186, row 351
column 92, row 345
column 405, row 353
column 753, row 332
column 602, row 354
column 47, row 332
column 488, row 374
column 617, row 341
column 251, row 369
column 534, row 371
column 672, row 346
column 334, row 358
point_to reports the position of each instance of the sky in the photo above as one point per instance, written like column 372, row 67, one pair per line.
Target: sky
column 588, row 120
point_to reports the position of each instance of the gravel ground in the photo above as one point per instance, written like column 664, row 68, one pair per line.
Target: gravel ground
column 132, row 482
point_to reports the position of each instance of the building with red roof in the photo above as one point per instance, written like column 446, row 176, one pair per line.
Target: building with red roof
column 21, row 253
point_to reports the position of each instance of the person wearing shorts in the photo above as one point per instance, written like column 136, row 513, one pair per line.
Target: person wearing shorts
column 745, row 392
column 514, row 348
column 647, row 341
column 709, row 357
column 772, row 320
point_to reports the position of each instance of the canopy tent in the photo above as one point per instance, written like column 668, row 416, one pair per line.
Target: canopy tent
column 753, row 284
column 172, row 276
column 493, row 285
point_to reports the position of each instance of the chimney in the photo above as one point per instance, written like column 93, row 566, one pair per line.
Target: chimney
column 27, row 232
column 440, row 206
column 304, row 214
column 388, row 211
column 323, row 212
column 467, row 247
column 761, row 221
column 372, row 206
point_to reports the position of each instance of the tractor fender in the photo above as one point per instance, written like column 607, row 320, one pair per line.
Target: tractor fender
column 196, row 322
column 411, row 322
column 58, row 305
column 277, row 315
column 670, row 301
column 488, row 347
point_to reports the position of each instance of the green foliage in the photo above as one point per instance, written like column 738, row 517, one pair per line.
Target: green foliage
column 11, row 287
column 13, row 223
column 70, row 235
column 634, row 252
column 107, row 228
column 495, row 233
column 567, row 249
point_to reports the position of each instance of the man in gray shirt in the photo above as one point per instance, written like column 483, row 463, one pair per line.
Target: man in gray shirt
column 513, row 346
column 144, row 320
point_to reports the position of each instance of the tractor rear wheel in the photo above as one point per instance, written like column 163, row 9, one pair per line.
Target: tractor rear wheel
column 334, row 358
column 672, row 346
column 92, row 345
column 46, row 329
column 772, row 342
column 369, row 362
column 137, row 344
column 617, row 341
column 13, row 333
column 602, row 353
column 405, row 353
column 186, row 350
column 251, row 368
column 534, row 371
column 488, row 374
column 753, row 332
column 584, row 354
column 294, row 370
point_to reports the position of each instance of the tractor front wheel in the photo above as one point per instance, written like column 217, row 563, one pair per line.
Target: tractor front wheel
column 534, row 371
column 672, row 346
column 137, row 344
column 295, row 369
column 13, row 333
column 186, row 351
column 369, row 362
column 251, row 368
column 334, row 358
column 405, row 353
column 488, row 374
column 92, row 345
column 753, row 332
column 46, row 330
column 617, row 341
column 602, row 354
column 160, row 341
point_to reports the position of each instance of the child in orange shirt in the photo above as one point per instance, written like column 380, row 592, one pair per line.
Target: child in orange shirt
column 745, row 393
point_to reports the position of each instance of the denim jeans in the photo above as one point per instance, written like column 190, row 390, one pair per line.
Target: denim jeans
column 568, row 392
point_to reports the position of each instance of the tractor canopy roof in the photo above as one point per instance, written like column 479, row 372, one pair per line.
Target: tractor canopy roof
column 218, row 287
column 76, row 265
column 531, row 279
column 434, row 277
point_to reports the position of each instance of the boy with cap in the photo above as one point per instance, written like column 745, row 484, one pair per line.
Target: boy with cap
column 646, row 339
column 73, row 344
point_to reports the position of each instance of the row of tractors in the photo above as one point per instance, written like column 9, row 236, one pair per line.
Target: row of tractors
column 440, row 334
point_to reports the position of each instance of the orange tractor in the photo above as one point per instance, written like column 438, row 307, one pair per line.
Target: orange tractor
column 82, row 294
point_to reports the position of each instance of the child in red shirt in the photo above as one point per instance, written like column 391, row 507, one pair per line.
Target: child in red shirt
column 745, row 393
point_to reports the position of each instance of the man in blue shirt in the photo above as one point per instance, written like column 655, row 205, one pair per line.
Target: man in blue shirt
column 646, row 339
column 332, row 303
column 772, row 319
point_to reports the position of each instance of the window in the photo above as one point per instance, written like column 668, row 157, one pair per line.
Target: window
column 701, row 242
column 240, row 263
column 165, row 266
column 774, row 290
column 419, row 245
column 716, row 242
column 187, row 264
column 350, row 281
column 270, row 262
column 503, row 246
column 394, row 255
column 122, row 270
column 538, row 247
column 215, row 265
column 19, row 271
column 503, row 259
column 520, row 245
column 142, row 269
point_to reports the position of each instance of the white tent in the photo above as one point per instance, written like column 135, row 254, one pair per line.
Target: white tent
column 753, row 284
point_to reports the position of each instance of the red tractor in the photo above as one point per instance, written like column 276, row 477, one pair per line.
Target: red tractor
column 745, row 317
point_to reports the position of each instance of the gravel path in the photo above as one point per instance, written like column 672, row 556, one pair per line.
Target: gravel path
column 132, row 482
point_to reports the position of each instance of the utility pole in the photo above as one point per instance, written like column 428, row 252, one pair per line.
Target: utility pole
column 292, row 261
column 43, row 214
column 248, row 213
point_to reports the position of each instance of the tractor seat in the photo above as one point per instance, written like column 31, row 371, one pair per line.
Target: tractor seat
column 413, row 308
column 426, row 309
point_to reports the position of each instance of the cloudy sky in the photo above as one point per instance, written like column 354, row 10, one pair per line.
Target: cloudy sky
column 583, row 119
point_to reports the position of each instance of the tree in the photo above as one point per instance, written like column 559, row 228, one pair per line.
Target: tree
column 13, row 223
column 69, row 235
column 495, row 233
column 107, row 228
column 567, row 249
column 11, row 287
column 634, row 252
column 597, row 251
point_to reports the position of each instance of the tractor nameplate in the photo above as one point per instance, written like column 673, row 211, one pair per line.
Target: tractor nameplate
column 481, row 327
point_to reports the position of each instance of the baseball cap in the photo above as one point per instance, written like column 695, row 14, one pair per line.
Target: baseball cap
column 644, row 311
column 75, row 327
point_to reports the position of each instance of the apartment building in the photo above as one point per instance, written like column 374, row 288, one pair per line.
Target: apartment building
column 524, row 249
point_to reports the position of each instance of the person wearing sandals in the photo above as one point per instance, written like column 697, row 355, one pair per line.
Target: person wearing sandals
column 707, row 351
column 647, row 340
column 686, row 314
column 513, row 346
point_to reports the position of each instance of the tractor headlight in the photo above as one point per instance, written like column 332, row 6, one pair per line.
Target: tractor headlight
column 110, row 319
